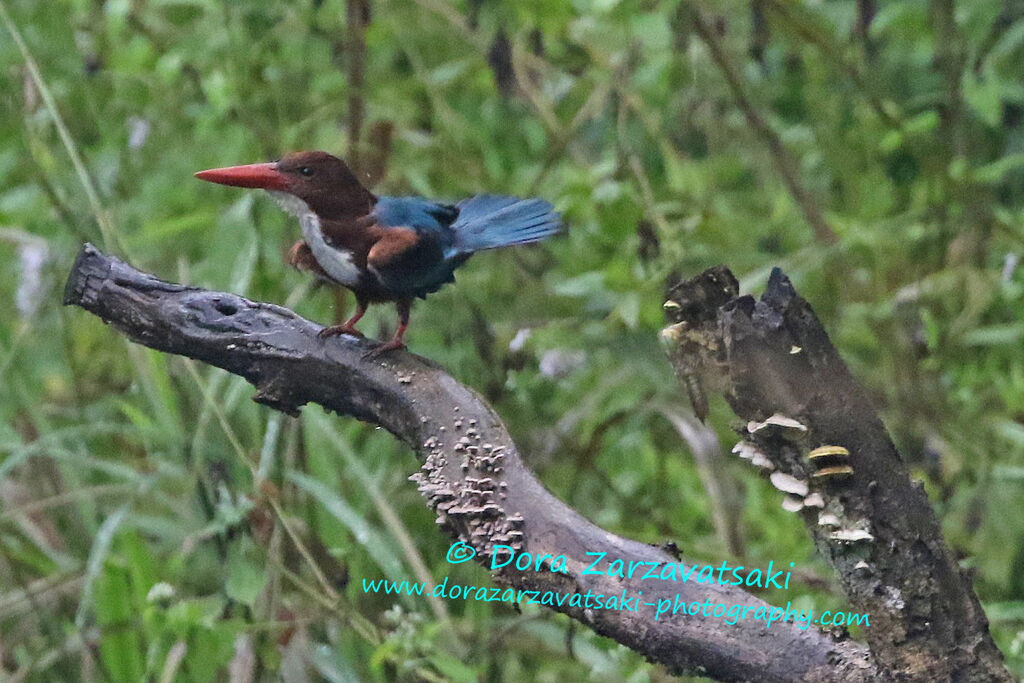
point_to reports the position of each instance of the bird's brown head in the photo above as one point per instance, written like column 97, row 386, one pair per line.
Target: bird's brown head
column 323, row 181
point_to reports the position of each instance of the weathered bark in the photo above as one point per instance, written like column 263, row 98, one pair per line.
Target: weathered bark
column 471, row 473
column 772, row 357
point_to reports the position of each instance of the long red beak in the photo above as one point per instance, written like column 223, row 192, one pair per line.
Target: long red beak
column 265, row 176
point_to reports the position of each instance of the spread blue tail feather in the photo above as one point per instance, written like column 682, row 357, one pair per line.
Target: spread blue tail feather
column 490, row 221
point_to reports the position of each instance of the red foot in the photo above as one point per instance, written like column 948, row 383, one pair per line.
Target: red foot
column 392, row 345
column 335, row 330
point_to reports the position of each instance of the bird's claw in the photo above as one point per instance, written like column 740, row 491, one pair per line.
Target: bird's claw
column 300, row 256
column 386, row 347
column 335, row 330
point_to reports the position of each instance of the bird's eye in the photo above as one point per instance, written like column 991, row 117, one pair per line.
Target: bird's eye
column 306, row 171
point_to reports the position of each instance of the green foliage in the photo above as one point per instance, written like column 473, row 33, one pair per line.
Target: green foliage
column 137, row 535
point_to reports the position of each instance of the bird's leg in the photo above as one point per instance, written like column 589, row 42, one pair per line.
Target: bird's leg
column 395, row 343
column 349, row 326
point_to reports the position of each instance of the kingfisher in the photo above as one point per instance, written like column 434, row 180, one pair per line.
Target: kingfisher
column 384, row 249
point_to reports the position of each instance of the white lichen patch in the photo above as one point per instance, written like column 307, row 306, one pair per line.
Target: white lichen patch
column 814, row 500
column 792, row 504
column 746, row 450
column 851, row 536
column 894, row 598
column 777, row 420
column 828, row 519
column 789, row 484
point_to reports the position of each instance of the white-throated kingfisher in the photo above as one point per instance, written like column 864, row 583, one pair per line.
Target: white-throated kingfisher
column 384, row 248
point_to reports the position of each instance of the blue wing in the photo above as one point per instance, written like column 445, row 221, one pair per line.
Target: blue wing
column 416, row 213
column 445, row 236
column 415, row 267
column 489, row 221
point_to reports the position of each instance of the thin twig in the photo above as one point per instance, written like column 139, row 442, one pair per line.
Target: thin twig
column 99, row 213
column 357, row 621
column 398, row 529
column 325, row 585
column 785, row 163
column 71, row 496
column 357, row 16
column 726, row 510
column 826, row 46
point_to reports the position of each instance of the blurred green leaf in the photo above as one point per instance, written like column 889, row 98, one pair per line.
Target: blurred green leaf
column 245, row 576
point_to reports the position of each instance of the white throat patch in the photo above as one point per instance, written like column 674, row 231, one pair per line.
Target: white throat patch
column 338, row 263
column 290, row 203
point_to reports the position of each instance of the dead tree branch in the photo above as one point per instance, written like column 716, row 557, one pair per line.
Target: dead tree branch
column 471, row 472
column 808, row 416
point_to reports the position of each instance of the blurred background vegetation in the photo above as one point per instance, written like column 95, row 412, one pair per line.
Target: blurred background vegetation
column 874, row 150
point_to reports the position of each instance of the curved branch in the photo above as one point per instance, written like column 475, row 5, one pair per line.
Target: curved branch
column 471, row 473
